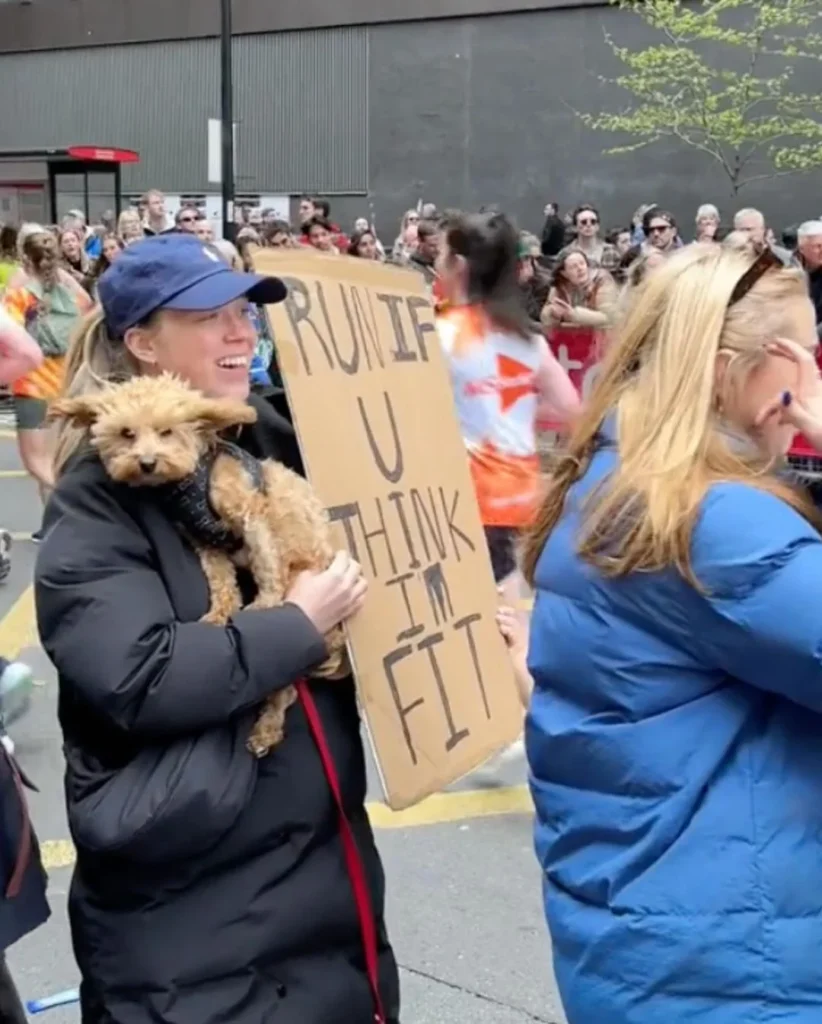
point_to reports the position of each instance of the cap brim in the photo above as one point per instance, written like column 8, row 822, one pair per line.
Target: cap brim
column 225, row 286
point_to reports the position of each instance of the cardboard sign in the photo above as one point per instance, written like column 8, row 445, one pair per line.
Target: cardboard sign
column 371, row 400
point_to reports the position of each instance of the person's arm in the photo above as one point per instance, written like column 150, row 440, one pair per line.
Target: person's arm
column 547, row 317
column 602, row 312
column 82, row 297
column 107, row 623
column 759, row 618
column 19, row 352
column 557, row 397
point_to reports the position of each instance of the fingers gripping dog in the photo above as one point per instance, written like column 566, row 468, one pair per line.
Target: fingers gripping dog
column 158, row 432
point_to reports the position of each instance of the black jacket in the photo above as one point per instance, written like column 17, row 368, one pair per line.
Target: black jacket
column 23, row 905
column 553, row 235
column 815, row 289
column 210, row 887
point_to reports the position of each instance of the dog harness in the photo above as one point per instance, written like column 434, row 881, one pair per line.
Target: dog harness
column 189, row 504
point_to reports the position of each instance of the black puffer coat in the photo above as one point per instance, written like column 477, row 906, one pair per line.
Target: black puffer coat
column 210, row 888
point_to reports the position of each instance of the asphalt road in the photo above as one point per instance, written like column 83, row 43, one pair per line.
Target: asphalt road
column 465, row 909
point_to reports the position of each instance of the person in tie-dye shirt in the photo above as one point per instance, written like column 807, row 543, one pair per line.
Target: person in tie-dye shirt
column 48, row 303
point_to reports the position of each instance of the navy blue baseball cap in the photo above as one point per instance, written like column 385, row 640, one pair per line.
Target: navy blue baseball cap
column 175, row 271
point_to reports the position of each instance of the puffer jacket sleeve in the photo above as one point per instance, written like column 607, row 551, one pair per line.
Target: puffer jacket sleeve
column 106, row 622
column 760, row 615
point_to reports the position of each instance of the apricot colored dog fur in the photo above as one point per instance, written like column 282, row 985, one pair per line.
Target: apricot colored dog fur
column 156, row 431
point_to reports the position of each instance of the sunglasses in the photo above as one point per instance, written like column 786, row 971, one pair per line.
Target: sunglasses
column 656, row 229
column 765, row 261
column 587, row 223
column 188, row 220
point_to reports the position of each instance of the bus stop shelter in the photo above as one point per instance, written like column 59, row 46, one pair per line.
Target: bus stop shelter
column 35, row 178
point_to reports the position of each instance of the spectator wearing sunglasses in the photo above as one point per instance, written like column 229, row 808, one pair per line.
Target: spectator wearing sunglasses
column 661, row 231
column 598, row 252
column 186, row 220
column 661, row 237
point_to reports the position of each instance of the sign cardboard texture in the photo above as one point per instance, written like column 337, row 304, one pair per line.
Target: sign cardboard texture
column 371, row 400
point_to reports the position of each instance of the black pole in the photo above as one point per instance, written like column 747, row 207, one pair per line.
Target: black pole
column 227, row 114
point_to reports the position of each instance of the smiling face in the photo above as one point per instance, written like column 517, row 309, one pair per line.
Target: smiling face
column 210, row 350
column 131, row 230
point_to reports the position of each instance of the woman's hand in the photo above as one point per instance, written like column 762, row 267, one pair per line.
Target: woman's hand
column 561, row 311
column 329, row 598
column 801, row 408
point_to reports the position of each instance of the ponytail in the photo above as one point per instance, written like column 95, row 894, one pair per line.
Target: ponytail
column 93, row 361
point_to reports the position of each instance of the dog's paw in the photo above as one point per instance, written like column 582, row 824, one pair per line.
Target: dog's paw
column 215, row 617
column 336, row 666
column 264, row 601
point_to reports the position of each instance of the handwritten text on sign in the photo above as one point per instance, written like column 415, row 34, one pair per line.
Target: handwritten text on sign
column 372, row 404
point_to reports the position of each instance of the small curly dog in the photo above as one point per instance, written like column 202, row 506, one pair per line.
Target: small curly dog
column 159, row 432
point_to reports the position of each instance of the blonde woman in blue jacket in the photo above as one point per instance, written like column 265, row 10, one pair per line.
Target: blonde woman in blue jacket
column 675, row 731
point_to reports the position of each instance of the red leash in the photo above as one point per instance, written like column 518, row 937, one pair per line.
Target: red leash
column 353, row 861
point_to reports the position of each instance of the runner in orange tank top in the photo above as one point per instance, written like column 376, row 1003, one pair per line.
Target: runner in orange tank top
column 504, row 377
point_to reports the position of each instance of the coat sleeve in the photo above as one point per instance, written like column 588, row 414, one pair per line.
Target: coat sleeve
column 760, row 563
column 106, row 621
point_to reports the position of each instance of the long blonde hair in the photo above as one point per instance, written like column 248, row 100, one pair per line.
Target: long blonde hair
column 659, row 381
column 93, row 360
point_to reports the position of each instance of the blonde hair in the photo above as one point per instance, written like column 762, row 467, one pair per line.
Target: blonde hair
column 659, row 381
column 94, row 359
column 128, row 217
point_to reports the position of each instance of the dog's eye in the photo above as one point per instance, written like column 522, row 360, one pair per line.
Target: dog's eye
column 166, row 433
column 127, row 433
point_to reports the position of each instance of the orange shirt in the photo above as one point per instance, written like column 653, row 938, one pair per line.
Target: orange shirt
column 502, row 383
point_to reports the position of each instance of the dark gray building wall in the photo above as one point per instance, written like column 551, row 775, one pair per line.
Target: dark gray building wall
column 461, row 112
column 480, row 110
column 300, row 101
column 64, row 24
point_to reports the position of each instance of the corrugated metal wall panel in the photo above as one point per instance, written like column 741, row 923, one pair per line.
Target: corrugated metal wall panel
column 301, row 102
column 306, row 94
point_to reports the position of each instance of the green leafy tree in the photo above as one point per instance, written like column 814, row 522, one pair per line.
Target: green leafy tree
column 722, row 80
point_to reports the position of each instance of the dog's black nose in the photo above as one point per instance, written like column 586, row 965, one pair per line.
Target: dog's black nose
column 147, row 465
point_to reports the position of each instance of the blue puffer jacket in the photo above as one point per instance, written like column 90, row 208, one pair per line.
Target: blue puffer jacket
column 675, row 746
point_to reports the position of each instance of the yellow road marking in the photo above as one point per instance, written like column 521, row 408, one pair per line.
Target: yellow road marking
column 18, row 627
column 436, row 810
column 6, row 474
column 456, row 806
column 8, row 435
column 21, row 536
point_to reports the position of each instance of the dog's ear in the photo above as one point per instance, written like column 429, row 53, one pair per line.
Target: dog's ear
column 221, row 413
column 81, row 411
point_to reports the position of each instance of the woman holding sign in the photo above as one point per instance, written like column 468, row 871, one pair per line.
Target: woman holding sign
column 504, row 376
column 210, row 886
